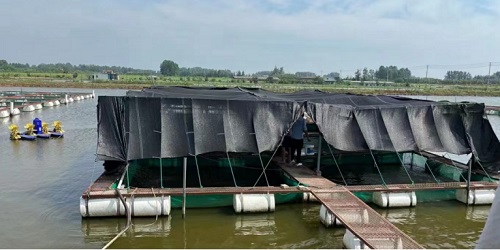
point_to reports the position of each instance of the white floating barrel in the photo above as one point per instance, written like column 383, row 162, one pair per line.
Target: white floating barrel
column 48, row 104
column 352, row 242
column 70, row 99
column 29, row 108
column 355, row 215
column 139, row 206
column 251, row 203
column 385, row 199
column 4, row 113
column 15, row 111
column 76, row 98
column 308, row 197
column 38, row 106
column 476, row 197
column 57, row 103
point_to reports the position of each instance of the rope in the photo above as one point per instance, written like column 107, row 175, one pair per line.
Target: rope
column 403, row 165
column 263, row 170
column 453, row 162
column 198, row 170
column 336, row 164
column 156, row 209
column 231, row 167
column 128, row 178
column 129, row 219
column 481, row 165
column 378, row 169
column 428, row 167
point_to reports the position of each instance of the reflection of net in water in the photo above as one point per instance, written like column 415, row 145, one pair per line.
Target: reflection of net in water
column 255, row 224
column 204, row 171
column 478, row 213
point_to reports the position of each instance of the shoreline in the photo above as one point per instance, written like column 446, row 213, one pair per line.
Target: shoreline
column 437, row 90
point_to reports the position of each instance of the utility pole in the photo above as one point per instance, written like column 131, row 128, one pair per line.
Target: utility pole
column 340, row 75
column 489, row 72
column 426, row 71
column 387, row 71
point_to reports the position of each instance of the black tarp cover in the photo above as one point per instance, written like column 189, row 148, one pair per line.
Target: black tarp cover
column 181, row 121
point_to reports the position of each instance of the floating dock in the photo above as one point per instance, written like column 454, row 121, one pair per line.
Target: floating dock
column 492, row 110
column 14, row 102
column 365, row 227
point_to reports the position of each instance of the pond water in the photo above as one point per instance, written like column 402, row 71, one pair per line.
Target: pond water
column 41, row 183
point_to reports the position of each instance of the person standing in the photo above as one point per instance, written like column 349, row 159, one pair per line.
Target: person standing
column 297, row 132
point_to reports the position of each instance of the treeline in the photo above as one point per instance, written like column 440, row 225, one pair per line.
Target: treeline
column 171, row 68
column 198, row 71
column 68, row 68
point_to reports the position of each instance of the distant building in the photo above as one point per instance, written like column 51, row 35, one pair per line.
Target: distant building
column 107, row 75
column 329, row 80
column 259, row 78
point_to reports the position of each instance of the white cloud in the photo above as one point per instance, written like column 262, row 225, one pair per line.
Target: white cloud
column 316, row 35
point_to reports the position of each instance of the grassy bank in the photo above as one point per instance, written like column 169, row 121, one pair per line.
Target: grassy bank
column 347, row 87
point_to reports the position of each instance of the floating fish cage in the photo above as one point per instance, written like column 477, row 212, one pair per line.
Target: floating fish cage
column 219, row 171
column 208, row 171
column 15, row 102
column 221, row 139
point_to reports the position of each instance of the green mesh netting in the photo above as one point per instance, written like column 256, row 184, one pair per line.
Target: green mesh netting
column 214, row 171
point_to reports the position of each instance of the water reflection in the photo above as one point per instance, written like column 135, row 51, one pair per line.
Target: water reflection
column 102, row 230
column 399, row 215
column 258, row 224
column 477, row 213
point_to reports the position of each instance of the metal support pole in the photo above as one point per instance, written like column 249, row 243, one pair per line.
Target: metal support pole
column 469, row 173
column 318, row 172
column 184, row 188
column 11, row 108
column 489, row 74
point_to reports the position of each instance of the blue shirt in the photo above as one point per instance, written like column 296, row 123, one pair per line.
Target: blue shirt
column 298, row 129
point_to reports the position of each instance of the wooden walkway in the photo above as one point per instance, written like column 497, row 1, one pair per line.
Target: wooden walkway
column 374, row 230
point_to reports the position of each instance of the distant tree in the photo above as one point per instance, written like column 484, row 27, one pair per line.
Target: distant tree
column 270, row 79
column 371, row 74
column 334, row 75
column 275, row 71
column 242, row 73
column 365, row 74
column 305, row 74
column 319, row 80
column 238, row 73
column 169, row 68
column 75, row 75
column 457, row 75
column 357, row 75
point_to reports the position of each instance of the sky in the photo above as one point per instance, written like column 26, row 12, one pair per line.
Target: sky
column 320, row 36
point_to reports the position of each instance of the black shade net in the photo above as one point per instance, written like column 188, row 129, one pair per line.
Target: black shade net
column 172, row 122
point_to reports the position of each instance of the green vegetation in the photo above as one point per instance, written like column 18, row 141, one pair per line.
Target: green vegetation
column 365, row 81
column 135, row 82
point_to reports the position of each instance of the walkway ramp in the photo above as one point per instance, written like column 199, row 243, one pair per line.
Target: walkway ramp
column 370, row 227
